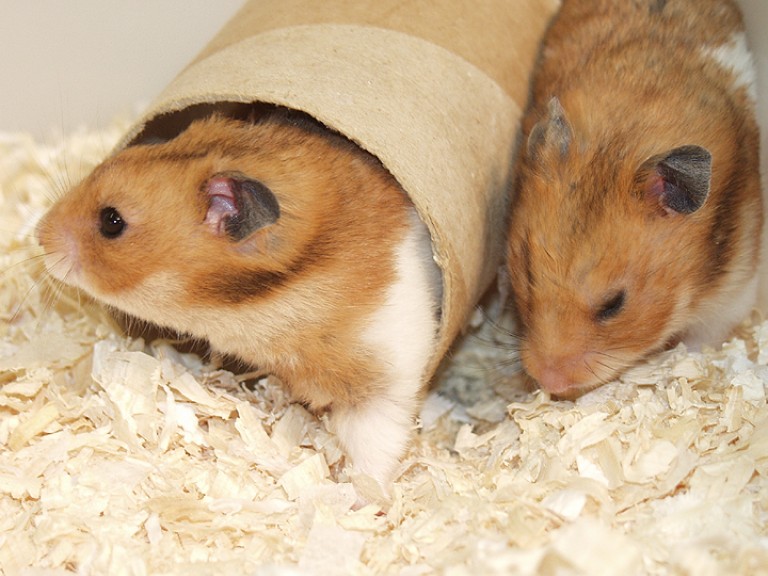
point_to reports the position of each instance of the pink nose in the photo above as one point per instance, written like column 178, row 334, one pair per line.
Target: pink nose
column 556, row 381
column 558, row 375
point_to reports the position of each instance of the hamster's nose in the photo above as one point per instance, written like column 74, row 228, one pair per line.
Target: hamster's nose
column 555, row 381
column 560, row 375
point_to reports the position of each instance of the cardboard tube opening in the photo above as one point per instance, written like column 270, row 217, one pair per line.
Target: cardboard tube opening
column 417, row 85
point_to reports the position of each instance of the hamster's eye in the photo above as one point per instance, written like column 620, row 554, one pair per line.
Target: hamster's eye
column 112, row 223
column 612, row 306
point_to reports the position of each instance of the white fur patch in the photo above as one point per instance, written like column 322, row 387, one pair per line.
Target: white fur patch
column 722, row 316
column 402, row 332
column 735, row 56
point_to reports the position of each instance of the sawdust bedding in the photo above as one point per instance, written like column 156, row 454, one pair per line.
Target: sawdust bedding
column 119, row 456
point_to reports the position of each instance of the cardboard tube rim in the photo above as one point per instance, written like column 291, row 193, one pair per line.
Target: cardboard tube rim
column 433, row 119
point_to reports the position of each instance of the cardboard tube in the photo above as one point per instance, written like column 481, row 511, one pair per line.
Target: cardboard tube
column 435, row 89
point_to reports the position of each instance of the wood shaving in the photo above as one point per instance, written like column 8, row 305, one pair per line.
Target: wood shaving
column 125, row 457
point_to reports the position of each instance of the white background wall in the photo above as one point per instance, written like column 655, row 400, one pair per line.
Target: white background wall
column 66, row 63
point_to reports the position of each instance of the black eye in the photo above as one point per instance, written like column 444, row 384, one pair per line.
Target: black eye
column 112, row 223
column 612, row 306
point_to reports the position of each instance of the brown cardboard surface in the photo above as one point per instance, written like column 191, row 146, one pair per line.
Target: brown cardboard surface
column 434, row 89
column 499, row 37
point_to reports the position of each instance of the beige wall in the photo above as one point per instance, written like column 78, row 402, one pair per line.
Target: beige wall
column 65, row 63
column 756, row 13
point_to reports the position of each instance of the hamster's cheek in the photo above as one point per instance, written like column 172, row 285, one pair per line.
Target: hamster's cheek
column 155, row 298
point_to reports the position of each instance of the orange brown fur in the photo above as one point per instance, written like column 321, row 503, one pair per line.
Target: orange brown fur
column 302, row 287
column 634, row 82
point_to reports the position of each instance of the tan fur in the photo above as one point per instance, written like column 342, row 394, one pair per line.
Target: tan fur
column 634, row 82
column 342, row 216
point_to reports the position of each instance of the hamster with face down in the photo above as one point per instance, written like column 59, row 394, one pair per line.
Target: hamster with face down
column 281, row 243
column 637, row 211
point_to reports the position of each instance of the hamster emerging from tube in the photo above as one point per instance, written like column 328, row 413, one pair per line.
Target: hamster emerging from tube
column 279, row 242
column 637, row 212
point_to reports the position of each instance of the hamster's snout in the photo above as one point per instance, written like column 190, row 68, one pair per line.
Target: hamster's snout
column 60, row 251
column 564, row 374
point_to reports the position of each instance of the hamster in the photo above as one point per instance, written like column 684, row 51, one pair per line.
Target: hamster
column 281, row 243
column 636, row 216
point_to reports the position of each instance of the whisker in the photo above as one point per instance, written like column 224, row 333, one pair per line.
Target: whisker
column 603, row 364
column 20, row 250
column 51, row 292
column 591, row 370
column 610, row 357
column 45, row 161
column 489, row 341
column 65, row 174
column 57, row 185
column 50, row 296
column 16, row 313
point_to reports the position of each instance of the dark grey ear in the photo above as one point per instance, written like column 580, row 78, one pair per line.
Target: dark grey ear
column 239, row 206
column 680, row 179
column 553, row 132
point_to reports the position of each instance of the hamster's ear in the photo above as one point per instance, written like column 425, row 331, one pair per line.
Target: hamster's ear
column 553, row 132
column 239, row 206
column 678, row 181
